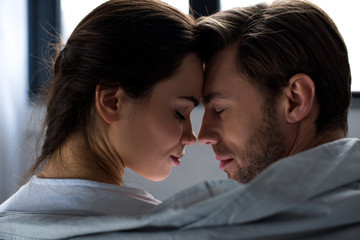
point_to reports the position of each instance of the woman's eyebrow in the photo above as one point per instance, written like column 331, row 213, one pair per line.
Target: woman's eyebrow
column 192, row 99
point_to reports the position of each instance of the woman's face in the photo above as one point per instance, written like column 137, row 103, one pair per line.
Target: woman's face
column 150, row 136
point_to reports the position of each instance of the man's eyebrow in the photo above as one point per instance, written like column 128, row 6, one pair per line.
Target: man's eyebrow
column 192, row 99
column 209, row 97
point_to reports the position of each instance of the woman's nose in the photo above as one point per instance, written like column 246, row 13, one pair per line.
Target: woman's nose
column 188, row 136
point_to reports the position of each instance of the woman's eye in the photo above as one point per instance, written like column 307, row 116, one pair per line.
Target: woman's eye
column 180, row 116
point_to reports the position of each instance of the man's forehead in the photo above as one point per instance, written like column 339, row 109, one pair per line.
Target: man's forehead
column 220, row 64
column 229, row 52
column 221, row 75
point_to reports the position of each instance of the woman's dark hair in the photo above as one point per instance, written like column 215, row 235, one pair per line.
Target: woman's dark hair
column 132, row 44
column 275, row 42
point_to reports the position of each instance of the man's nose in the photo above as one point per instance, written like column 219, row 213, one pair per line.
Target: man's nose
column 208, row 134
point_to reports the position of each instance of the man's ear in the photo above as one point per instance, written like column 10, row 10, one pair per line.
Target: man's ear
column 300, row 96
column 108, row 103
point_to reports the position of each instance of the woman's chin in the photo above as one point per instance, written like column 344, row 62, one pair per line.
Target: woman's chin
column 158, row 177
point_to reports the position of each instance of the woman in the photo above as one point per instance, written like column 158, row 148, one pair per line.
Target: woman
column 125, row 84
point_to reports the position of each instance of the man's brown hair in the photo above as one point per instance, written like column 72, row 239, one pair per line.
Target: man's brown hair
column 277, row 41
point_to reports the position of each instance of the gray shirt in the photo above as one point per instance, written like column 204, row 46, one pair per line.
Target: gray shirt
column 78, row 196
column 312, row 195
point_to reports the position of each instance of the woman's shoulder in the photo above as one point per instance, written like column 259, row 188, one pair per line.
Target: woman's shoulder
column 81, row 196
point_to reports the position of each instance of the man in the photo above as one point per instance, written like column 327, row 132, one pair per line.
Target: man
column 276, row 95
column 277, row 84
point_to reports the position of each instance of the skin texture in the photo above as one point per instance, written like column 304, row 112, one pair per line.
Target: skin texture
column 249, row 132
column 146, row 136
column 241, row 128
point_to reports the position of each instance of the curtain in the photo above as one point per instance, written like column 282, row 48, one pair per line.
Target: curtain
column 13, row 93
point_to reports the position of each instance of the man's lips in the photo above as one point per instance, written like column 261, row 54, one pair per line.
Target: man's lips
column 224, row 161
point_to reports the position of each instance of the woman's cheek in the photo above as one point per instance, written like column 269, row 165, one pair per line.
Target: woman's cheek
column 173, row 133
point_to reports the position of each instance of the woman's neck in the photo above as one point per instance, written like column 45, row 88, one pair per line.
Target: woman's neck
column 75, row 161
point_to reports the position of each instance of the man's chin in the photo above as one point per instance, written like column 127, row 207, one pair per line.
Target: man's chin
column 241, row 177
column 233, row 176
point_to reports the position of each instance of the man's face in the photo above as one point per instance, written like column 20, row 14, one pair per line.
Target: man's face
column 238, row 123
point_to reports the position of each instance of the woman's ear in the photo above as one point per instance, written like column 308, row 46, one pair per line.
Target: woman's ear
column 108, row 103
column 300, row 97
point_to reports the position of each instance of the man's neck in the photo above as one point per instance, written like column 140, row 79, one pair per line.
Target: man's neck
column 306, row 140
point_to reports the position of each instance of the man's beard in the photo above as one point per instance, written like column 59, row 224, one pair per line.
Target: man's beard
column 263, row 147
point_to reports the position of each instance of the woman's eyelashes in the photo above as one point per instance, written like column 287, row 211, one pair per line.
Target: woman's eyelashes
column 179, row 115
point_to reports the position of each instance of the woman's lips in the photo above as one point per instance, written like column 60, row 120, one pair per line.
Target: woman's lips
column 176, row 159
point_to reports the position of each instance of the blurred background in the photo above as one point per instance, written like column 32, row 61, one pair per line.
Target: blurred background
column 26, row 29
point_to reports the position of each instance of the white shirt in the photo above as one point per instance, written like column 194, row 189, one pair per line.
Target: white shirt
column 78, row 196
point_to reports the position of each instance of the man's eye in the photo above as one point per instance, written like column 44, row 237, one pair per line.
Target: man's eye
column 219, row 110
column 180, row 116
